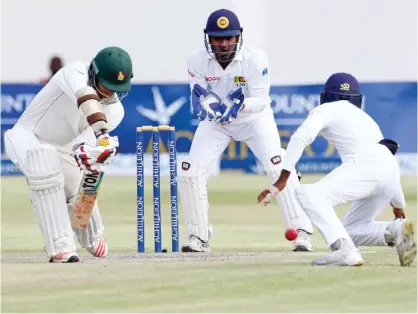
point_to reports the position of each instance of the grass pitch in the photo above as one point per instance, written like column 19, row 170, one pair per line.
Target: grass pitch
column 251, row 269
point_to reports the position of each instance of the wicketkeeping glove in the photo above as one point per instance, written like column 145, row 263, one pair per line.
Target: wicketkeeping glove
column 231, row 106
column 205, row 104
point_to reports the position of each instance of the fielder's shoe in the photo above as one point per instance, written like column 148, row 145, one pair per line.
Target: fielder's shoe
column 303, row 242
column 65, row 257
column 402, row 232
column 345, row 255
column 194, row 244
column 99, row 248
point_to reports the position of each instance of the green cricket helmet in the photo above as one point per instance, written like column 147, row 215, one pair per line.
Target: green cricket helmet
column 112, row 68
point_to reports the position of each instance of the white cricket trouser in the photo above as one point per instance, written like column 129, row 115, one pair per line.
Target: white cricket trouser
column 369, row 180
column 211, row 139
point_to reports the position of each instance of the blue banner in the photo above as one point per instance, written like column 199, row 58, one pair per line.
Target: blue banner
column 392, row 105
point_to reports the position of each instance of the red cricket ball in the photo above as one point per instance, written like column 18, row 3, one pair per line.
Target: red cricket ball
column 291, row 234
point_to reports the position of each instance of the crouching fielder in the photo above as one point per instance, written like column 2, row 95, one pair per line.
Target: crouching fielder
column 58, row 134
column 230, row 94
column 369, row 178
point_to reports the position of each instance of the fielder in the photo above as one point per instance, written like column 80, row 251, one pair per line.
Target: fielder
column 58, row 134
column 369, row 178
column 230, row 94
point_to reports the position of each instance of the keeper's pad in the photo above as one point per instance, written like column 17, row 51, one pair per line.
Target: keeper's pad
column 46, row 182
column 290, row 207
column 95, row 227
column 191, row 182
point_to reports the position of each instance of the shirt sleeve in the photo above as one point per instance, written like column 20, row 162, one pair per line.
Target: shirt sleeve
column 258, row 84
column 195, row 73
column 114, row 114
column 71, row 79
column 303, row 136
column 398, row 201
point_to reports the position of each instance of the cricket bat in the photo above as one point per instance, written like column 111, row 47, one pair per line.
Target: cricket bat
column 86, row 198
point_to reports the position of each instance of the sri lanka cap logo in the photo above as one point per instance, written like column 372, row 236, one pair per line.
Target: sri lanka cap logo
column 345, row 86
column 121, row 76
column 223, row 22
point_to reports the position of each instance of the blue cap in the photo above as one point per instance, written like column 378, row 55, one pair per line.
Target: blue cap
column 342, row 84
column 223, row 23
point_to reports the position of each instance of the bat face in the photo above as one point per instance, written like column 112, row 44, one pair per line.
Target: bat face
column 83, row 207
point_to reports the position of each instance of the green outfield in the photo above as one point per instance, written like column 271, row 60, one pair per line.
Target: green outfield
column 251, row 269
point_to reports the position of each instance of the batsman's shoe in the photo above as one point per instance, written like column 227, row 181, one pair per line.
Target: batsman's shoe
column 403, row 233
column 194, row 244
column 99, row 248
column 65, row 257
column 303, row 242
column 345, row 255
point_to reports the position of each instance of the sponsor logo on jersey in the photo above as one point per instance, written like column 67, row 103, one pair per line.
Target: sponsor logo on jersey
column 276, row 160
column 212, row 78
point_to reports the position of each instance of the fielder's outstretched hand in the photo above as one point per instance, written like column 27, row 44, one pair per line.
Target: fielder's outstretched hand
column 398, row 212
column 267, row 195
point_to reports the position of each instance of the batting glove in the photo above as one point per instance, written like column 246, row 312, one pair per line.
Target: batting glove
column 104, row 139
column 91, row 159
column 111, row 143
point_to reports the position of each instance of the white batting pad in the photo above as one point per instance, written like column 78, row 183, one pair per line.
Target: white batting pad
column 191, row 182
column 95, row 228
column 290, row 207
column 46, row 182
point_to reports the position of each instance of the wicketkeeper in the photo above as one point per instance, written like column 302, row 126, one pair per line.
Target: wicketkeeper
column 230, row 85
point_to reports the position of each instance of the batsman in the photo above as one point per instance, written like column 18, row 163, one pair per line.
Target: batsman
column 230, row 87
column 66, row 129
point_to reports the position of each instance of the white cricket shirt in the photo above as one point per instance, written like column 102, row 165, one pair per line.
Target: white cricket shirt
column 249, row 70
column 344, row 125
column 53, row 115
